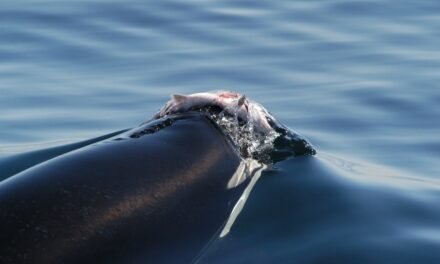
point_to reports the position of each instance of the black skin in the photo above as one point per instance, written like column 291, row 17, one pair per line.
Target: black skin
column 155, row 194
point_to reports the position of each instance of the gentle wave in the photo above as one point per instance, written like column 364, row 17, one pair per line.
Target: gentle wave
column 357, row 79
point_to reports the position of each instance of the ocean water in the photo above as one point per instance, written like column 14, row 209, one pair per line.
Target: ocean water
column 358, row 79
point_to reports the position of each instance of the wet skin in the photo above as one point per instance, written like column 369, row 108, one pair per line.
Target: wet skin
column 155, row 194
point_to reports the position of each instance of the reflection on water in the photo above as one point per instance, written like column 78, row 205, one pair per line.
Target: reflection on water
column 380, row 175
column 324, row 209
column 358, row 79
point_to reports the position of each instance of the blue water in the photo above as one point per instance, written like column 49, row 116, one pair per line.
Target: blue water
column 359, row 79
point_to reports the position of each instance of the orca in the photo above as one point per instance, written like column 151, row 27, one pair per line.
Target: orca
column 158, row 193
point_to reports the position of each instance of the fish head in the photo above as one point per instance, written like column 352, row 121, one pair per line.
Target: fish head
column 231, row 103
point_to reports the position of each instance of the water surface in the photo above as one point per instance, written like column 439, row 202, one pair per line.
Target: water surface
column 360, row 80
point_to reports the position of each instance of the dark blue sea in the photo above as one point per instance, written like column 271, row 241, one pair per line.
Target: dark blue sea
column 359, row 79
